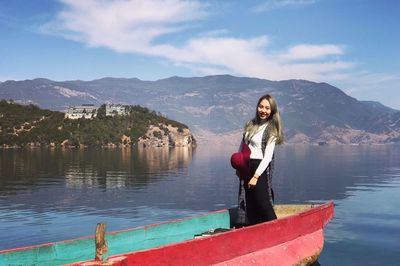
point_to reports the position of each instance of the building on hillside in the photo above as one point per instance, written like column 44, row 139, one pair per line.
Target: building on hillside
column 115, row 109
column 86, row 111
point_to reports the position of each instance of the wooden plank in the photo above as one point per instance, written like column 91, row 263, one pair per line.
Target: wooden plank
column 101, row 243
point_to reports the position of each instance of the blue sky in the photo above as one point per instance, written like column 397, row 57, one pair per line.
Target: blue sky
column 353, row 45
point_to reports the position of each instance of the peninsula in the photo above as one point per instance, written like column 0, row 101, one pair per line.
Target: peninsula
column 31, row 126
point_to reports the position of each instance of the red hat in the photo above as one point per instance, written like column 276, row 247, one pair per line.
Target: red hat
column 240, row 160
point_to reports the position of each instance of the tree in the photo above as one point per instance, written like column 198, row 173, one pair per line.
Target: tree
column 101, row 112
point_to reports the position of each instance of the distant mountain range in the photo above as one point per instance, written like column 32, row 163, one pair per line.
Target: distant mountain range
column 217, row 107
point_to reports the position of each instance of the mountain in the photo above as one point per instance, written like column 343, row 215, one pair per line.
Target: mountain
column 377, row 106
column 218, row 106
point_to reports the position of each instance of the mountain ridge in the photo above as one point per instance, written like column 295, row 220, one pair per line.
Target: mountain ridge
column 312, row 112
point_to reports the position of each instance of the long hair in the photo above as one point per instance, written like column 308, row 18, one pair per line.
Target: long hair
column 274, row 121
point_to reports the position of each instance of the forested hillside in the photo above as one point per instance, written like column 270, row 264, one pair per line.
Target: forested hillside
column 28, row 125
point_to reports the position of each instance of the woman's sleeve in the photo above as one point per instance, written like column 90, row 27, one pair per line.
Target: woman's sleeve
column 269, row 152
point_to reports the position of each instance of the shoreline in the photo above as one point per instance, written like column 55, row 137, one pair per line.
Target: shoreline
column 125, row 146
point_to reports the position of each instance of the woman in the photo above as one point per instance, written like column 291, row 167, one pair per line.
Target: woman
column 261, row 134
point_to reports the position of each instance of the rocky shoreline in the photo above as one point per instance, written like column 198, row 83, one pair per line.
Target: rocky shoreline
column 167, row 136
column 160, row 135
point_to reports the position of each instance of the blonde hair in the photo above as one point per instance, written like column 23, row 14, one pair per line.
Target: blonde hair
column 274, row 122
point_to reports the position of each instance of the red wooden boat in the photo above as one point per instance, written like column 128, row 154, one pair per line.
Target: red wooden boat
column 295, row 238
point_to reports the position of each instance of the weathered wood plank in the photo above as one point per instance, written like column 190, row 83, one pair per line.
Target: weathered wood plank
column 101, row 242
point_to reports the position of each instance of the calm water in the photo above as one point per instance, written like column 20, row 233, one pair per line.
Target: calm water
column 50, row 195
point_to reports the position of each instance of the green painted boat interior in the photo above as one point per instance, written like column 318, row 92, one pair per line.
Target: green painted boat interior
column 118, row 242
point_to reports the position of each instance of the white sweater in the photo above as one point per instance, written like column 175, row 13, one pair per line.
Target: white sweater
column 255, row 146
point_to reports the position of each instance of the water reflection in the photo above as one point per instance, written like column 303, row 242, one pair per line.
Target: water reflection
column 366, row 229
column 305, row 173
column 109, row 169
column 162, row 159
column 88, row 168
column 55, row 194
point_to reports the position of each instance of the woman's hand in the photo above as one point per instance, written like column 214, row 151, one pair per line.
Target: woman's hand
column 252, row 182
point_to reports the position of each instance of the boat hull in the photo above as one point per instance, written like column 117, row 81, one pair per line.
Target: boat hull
column 296, row 238
column 293, row 240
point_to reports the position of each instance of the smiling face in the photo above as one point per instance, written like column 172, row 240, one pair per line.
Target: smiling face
column 264, row 109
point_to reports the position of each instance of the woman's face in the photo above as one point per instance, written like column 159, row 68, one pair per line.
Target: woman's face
column 264, row 109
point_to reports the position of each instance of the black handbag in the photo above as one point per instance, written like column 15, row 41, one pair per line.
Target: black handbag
column 241, row 219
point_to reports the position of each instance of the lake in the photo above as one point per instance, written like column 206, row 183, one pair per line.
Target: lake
column 49, row 195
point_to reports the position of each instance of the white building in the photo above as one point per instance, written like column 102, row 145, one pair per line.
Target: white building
column 87, row 111
column 115, row 109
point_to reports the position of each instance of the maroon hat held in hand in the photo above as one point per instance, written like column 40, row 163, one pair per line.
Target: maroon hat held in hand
column 240, row 160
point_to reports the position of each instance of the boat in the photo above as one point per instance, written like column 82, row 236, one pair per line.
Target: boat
column 295, row 238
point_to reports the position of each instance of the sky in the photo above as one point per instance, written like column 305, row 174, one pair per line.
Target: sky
column 353, row 45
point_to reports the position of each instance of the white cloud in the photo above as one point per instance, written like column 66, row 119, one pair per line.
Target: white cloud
column 368, row 83
column 276, row 4
column 381, row 87
column 141, row 27
column 123, row 25
column 308, row 51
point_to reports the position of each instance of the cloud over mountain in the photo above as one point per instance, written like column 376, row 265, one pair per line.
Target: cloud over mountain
column 151, row 28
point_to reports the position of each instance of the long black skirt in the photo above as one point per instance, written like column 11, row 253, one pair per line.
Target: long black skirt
column 259, row 199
